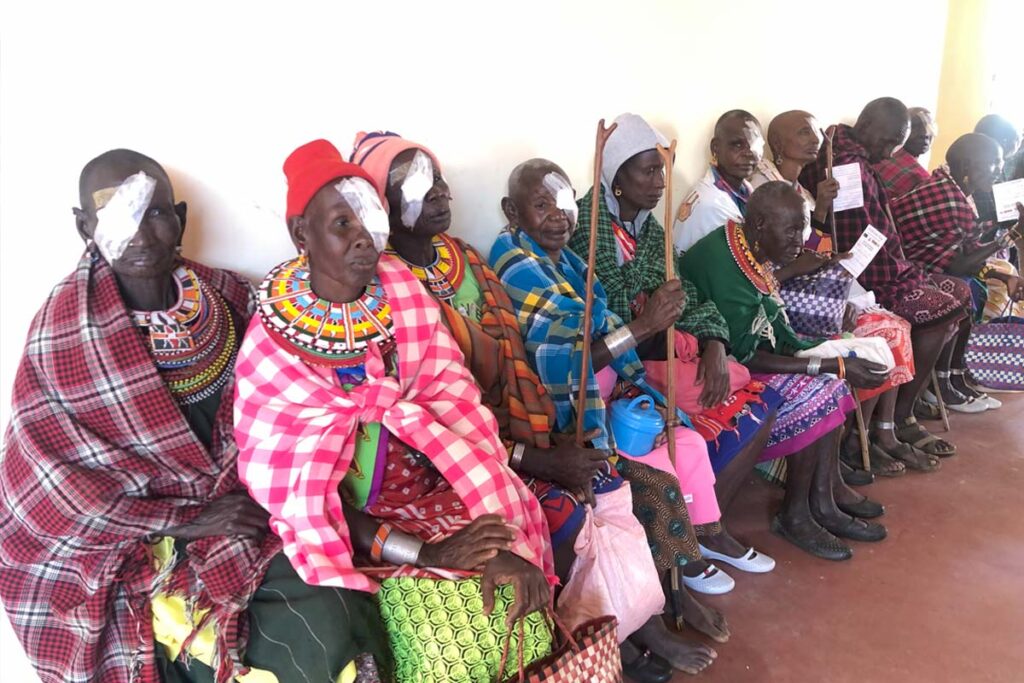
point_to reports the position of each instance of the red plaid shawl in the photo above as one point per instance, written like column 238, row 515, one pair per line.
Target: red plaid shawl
column 889, row 275
column 296, row 430
column 900, row 174
column 935, row 221
column 98, row 456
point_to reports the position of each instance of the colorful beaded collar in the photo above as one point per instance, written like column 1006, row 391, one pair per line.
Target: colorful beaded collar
column 319, row 331
column 194, row 342
column 444, row 276
column 761, row 277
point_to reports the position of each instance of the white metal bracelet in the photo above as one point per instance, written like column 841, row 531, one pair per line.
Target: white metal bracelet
column 401, row 548
column 516, row 458
column 620, row 341
column 814, row 367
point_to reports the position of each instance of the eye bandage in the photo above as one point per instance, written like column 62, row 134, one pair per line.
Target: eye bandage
column 561, row 190
column 119, row 212
column 364, row 202
column 417, row 183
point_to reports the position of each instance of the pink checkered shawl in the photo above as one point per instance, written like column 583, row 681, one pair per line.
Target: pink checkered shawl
column 295, row 428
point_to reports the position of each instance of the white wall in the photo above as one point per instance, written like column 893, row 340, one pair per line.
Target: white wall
column 220, row 95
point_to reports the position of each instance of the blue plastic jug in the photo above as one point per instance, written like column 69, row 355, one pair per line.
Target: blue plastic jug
column 635, row 428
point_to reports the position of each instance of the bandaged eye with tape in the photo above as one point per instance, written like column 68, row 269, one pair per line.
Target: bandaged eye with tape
column 417, row 180
column 757, row 143
column 561, row 190
column 119, row 212
column 364, row 202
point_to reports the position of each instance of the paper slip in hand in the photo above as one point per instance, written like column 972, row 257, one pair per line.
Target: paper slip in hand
column 1007, row 195
column 851, row 192
column 867, row 246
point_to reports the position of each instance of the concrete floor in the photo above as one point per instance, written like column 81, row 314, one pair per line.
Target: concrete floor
column 941, row 599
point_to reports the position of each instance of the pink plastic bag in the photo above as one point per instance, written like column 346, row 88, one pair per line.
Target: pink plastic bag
column 614, row 573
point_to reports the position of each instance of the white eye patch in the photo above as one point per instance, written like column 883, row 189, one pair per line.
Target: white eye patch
column 365, row 203
column 757, row 146
column 418, row 181
column 561, row 190
column 120, row 213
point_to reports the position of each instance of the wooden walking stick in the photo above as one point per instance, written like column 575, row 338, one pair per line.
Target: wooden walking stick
column 667, row 157
column 588, row 309
column 828, row 174
column 865, row 447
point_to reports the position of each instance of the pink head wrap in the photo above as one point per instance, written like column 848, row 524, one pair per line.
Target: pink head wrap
column 375, row 152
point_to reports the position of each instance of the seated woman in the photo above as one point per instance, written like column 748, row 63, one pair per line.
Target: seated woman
column 359, row 428
column 730, row 266
column 732, row 413
column 128, row 548
column 480, row 315
column 736, row 148
column 794, row 140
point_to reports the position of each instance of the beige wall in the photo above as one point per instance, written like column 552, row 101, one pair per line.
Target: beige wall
column 220, row 96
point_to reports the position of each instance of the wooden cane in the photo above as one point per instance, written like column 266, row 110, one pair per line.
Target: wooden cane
column 828, row 174
column 667, row 157
column 943, row 413
column 588, row 308
column 865, row 447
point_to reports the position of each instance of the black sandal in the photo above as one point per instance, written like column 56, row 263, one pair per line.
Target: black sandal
column 648, row 668
column 823, row 544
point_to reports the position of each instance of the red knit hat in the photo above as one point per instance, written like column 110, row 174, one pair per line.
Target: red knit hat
column 312, row 166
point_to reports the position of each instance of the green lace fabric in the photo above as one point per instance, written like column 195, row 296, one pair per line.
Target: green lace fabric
column 440, row 634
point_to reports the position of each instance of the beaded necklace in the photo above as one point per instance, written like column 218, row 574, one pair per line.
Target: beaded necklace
column 762, row 278
column 194, row 342
column 443, row 276
column 322, row 332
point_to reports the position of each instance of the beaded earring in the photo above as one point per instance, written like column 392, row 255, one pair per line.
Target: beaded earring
column 303, row 258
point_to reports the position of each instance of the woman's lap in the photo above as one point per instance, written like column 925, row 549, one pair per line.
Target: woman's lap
column 812, row 407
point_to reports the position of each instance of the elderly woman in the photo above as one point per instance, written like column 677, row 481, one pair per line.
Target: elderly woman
column 732, row 413
column 731, row 266
column 544, row 279
column 128, row 549
column 477, row 310
column 362, row 433
column 736, row 147
column 794, row 140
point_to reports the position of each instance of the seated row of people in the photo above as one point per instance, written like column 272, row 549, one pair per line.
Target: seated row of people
column 400, row 410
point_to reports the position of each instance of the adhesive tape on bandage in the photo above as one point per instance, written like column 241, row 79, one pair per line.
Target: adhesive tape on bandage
column 364, row 202
column 120, row 212
column 561, row 190
column 417, row 183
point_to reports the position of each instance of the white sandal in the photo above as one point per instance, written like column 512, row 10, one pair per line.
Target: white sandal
column 713, row 581
column 990, row 402
column 753, row 561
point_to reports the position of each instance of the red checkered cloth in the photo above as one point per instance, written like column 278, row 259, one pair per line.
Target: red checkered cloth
column 296, row 429
column 935, row 221
column 890, row 275
column 901, row 173
column 98, row 457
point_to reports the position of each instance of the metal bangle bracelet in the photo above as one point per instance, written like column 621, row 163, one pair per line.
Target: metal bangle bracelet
column 814, row 367
column 620, row 341
column 401, row 548
column 516, row 458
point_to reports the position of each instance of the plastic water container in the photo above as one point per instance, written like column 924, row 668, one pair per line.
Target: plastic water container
column 635, row 428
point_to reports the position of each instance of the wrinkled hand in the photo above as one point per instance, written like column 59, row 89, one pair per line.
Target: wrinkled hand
column 849, row 318
column 863, row 374
column 234, row 514
column 572, row 466
column 828, row 190
column 471, row 547
column 713, row 373
column 663, row 307
column 531, row 587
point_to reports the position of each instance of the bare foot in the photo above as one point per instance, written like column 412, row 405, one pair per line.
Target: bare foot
column 723, row 543
column 689, row 612
column 684, row 655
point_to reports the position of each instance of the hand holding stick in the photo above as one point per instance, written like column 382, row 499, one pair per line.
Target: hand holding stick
column 588, row 310
column 828, row 174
